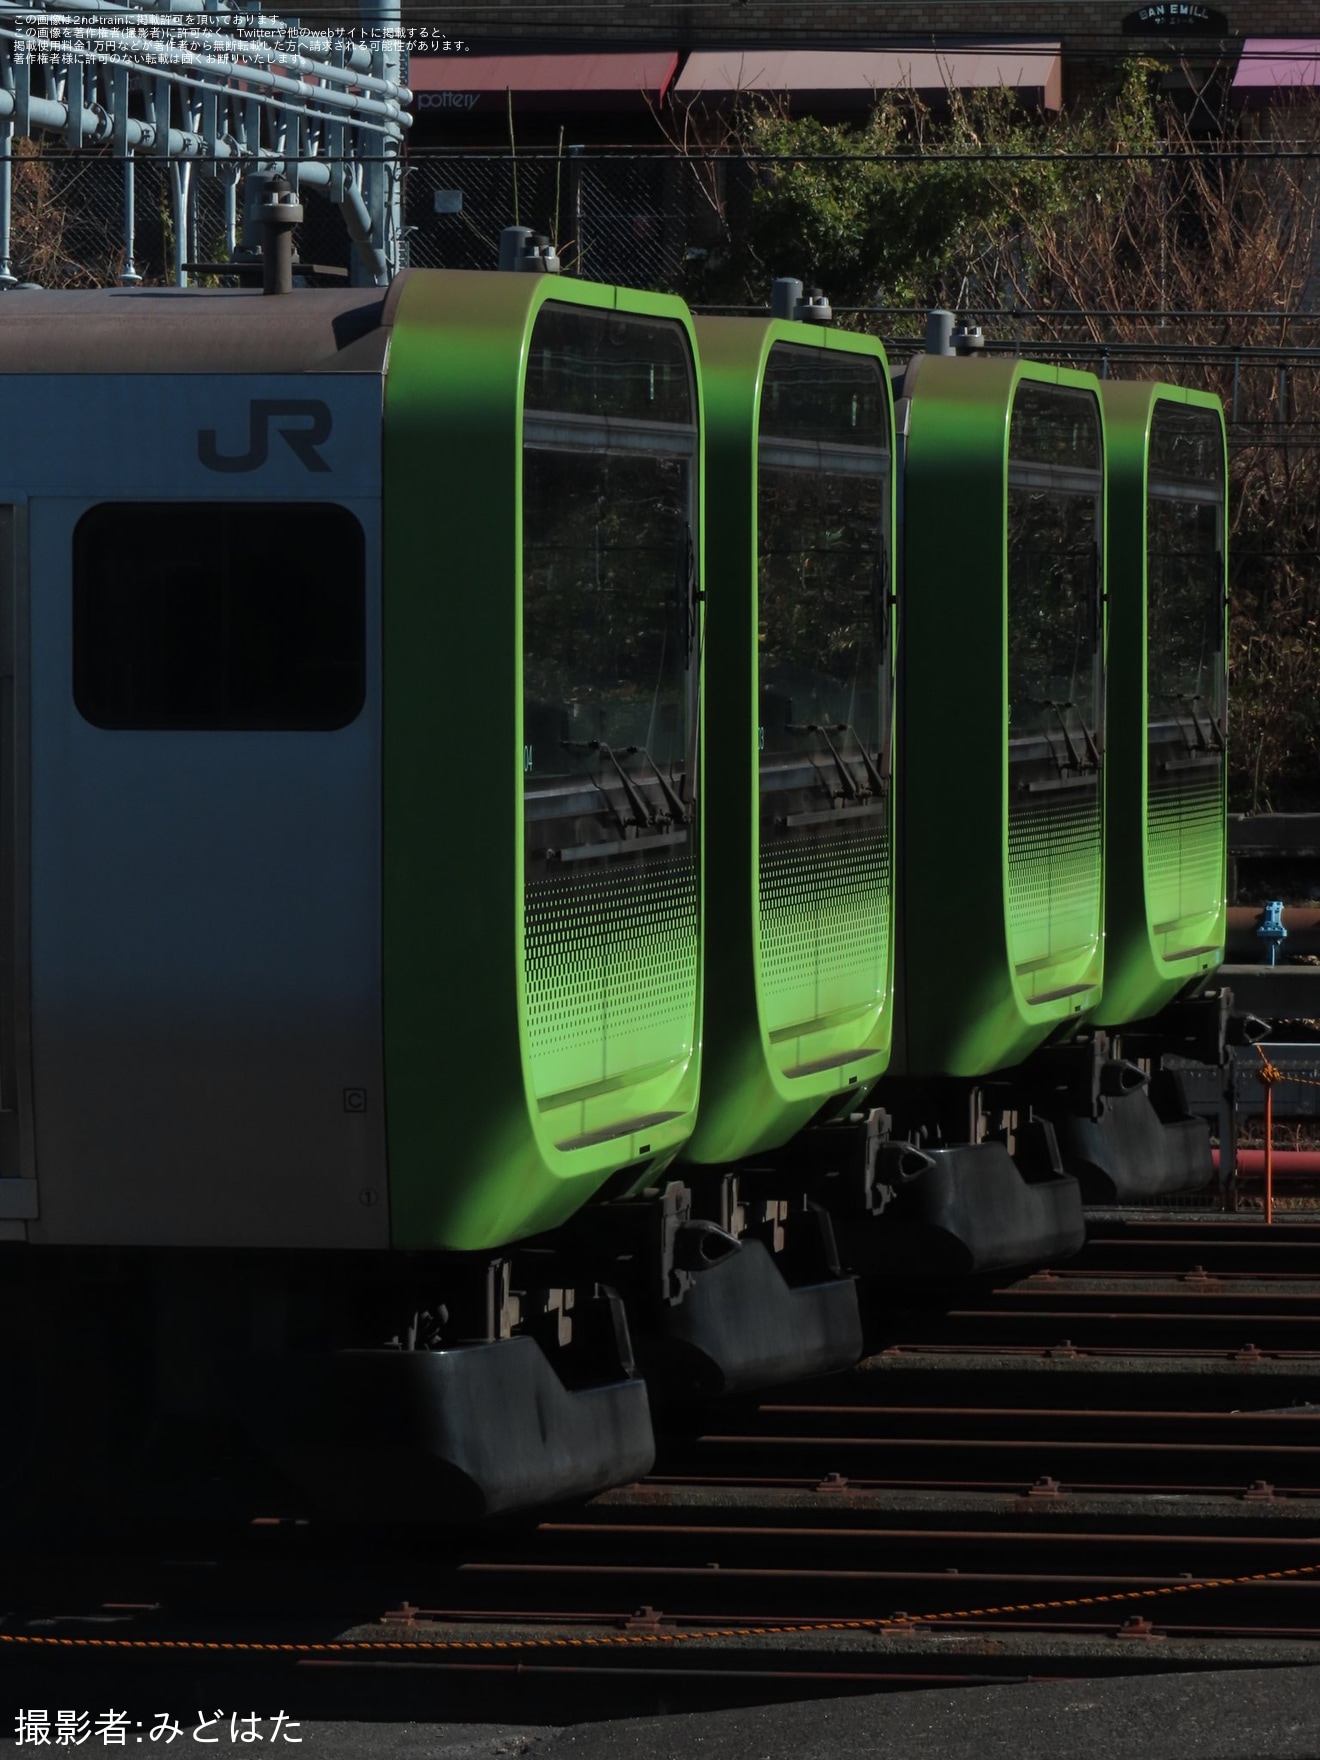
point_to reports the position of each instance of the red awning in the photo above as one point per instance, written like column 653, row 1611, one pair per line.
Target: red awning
column 477, row 85
column 848, row 79
column 1270, row 65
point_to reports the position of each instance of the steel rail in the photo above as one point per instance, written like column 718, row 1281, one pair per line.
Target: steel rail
column 1182, row 1298
column 714, row 1575
column 1009, row 1445
column 1063, row 1348
column 1008, row 1325
column 1142, row 1415
column 819, row 1533
column 1020, row 1486
column 900, row 1625
column 692, row 1672
column 1226, row 1281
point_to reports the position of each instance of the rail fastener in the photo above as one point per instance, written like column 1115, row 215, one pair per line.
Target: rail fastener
column 832, row 1482
column 1137, row 1627
column 1045, row 1487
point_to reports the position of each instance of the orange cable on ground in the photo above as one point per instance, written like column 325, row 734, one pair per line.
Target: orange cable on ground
column 897, row 1622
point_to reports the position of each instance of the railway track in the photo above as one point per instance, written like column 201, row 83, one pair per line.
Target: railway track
column 1111, row 1467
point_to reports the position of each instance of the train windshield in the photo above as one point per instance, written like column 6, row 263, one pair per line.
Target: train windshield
column 1185, row 573
column 1055, row 696
column 1055, row 531
column 1186, row 679
column 824, row 664
column 609, row 586
column 823, row 567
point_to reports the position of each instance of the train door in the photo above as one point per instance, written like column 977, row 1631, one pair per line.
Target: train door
column 18, row 1188
column 206, row 826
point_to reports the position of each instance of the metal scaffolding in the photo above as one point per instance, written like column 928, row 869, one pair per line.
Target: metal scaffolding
column 227, row 93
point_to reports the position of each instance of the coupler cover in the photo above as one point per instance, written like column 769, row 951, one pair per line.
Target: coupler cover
column 1129, row 1152
column 741, row 1326
column 444, row 1436
column 967, row 1212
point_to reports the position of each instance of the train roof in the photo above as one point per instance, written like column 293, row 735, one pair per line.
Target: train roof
column 195, row 330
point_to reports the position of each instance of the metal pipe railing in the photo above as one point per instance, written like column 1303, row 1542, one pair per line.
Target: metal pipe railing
column 269, row 101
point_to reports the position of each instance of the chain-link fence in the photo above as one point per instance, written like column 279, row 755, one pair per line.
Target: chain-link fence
column 624, row 220
column 69, row 227
column 621, row 219
column 652, row 220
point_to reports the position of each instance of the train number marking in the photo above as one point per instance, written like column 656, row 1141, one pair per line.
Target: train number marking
column 303, row 423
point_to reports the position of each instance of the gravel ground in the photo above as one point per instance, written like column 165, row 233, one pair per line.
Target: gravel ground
column 1259, row 1714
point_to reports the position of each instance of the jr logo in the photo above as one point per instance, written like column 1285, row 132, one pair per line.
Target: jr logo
column 304, row 423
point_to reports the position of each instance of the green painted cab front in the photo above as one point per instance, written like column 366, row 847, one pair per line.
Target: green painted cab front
column 542, row 937
column 798, row 801
column 1002, row 660
column 1166, row 857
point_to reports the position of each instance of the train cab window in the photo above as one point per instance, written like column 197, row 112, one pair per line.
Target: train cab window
column 1055, row 531
column 609, row 586
column 219, row 616
column 1186, row 674
column 822, row 505
column 609, row 366
column 1185, row 572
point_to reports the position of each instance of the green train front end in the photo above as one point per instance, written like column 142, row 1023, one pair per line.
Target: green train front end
column 798, row 813
column 799, row 798
column 1168, row 852
column 1166, row 804
column 1000, row 877
column 1003, row 703
column 545, row 662
column 995, row 773
column 1024, row 1015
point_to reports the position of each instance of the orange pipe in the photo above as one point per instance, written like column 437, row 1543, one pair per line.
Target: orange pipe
column 1288, row 1163
column 1269, row 1153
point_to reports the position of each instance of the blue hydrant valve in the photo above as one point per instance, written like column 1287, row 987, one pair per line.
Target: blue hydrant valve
column 1271, row 930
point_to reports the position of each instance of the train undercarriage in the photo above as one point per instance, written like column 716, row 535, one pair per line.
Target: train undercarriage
column 472, row 1384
